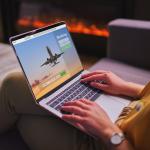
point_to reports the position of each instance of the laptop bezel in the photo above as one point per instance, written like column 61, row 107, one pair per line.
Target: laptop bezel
column 29, row 33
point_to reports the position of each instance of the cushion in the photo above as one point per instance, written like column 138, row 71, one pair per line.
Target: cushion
column 125, row 71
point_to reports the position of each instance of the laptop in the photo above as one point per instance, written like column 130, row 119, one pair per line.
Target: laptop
column 52, row 68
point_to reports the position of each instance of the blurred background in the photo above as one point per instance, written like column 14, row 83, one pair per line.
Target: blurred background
column 86, row 20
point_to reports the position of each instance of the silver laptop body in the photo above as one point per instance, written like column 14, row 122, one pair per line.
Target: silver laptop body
column 53, row 70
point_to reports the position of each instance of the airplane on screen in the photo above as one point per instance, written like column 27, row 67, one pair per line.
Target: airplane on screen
column 52, row 59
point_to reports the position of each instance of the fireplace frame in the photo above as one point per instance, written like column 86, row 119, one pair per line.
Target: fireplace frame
column 10, row 8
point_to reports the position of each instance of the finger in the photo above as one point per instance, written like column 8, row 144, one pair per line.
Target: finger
column 74, row 110
column 93, row 73
column 94, row 77
column 82, row 128
column 86, row 101
column 77, row 103
column 76, row 124
column 99, row 86
column 72, row 118
column 79, row 126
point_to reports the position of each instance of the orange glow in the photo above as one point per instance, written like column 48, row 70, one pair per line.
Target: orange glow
column 73, row 26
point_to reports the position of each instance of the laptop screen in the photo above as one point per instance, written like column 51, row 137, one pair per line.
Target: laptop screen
column 48, row 59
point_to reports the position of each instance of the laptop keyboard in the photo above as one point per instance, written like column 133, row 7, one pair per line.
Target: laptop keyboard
column 76, row 91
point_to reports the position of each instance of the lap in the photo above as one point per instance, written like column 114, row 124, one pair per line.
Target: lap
column 39, row 129
column 16, row 92
column 46, row 132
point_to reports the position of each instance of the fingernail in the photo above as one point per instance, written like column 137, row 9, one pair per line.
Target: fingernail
column 81, row 80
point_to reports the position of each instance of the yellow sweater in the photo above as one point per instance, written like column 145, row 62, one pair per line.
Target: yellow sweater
column 135, row 121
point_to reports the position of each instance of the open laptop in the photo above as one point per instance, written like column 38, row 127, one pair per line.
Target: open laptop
column 53, row 70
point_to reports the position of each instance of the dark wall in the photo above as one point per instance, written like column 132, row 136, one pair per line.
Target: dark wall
column 1, row 33
column 1, row 36
column 142, row 9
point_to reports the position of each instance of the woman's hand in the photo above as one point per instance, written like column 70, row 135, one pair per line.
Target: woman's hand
column 90, row 118
column 112, row 84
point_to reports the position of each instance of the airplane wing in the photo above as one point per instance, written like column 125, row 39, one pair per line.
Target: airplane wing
column 49, row 52
column 44, row 64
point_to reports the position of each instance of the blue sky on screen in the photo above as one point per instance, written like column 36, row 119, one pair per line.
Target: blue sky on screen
column 33, row 53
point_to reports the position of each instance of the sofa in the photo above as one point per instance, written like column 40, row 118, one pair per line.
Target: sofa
column 128, row 55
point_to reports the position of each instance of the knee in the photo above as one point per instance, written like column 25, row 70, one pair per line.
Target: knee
column 13, row 80
column 14, row 76
column 15, row 87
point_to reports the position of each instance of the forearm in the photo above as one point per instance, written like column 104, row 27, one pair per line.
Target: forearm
column 132, row 89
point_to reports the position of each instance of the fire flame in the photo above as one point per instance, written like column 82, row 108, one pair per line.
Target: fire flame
column 73, row 26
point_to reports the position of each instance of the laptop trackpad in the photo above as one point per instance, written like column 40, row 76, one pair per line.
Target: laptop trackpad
column 112, row 105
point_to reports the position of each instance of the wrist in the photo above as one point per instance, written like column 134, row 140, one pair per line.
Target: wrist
column 132, row 89
column 109, row 132
column 114, row 138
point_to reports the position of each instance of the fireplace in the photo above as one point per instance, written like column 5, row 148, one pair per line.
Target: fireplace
column 36, row 15
column 86, row 20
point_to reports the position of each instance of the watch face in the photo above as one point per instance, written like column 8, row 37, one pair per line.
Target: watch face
column 116, row 139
